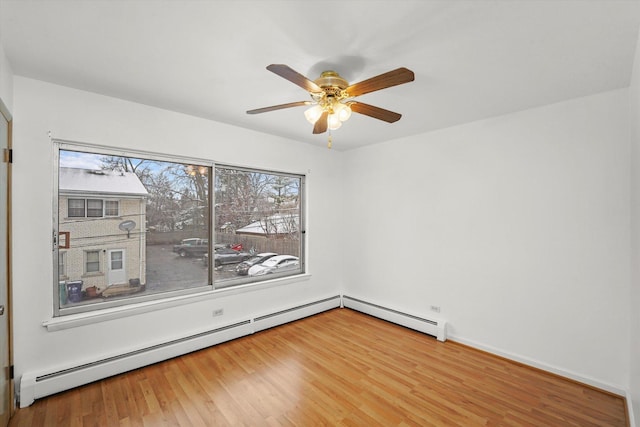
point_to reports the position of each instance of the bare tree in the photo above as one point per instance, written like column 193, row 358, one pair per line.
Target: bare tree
column 141, row 167
column 178, row 194
column 162, row 206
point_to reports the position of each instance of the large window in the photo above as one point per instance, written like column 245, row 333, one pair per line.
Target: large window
column 142, row 226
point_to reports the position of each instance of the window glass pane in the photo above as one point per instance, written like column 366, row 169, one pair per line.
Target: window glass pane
column 129, row 245
column 257, row 220
column 111, row 208
column 94, row 208
column 76, row 208
column 116, row 260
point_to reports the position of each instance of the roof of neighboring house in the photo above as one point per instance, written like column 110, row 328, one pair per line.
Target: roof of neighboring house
column 83, row 181
column 274, row 224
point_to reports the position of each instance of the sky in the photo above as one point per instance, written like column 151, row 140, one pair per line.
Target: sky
column 81, row 160
column 75, row 159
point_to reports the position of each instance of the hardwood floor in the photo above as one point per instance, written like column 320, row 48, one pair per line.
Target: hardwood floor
column 338, row 368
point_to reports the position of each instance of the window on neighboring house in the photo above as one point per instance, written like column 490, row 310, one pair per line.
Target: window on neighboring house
column 92, row 261
column 76, row 208
column 111, row 208
column 94, row 208
column 145, row 224
column 116, row 260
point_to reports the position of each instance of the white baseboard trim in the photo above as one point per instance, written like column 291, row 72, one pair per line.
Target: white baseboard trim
column 543, row 366
column 631, row 417
column 427, row 324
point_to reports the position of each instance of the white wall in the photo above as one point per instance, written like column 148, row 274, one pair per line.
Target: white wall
column 79, row 116
column 517, row 227
column 634, row 300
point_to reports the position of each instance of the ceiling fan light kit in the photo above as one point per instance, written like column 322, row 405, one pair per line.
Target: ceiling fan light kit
column 332, row 98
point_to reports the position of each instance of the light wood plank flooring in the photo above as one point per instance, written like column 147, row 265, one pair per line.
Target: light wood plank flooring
column 338, row 368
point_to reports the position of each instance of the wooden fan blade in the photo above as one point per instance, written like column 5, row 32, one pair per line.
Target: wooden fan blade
column 278, row 107
column 383, row 81
column 293, row 76
column 321, row 123
column 375, row 112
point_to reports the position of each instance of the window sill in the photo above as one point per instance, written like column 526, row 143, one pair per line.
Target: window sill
column 82, row 319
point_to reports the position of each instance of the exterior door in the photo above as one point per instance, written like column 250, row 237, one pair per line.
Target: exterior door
column 116, row 266
column 6, row 395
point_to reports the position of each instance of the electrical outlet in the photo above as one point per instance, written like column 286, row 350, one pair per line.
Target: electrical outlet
column 218, row 312
column 435, row 308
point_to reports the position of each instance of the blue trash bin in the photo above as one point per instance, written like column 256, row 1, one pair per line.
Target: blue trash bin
column 74, row 291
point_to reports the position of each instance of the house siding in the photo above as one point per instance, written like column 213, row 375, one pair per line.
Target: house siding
column 103, row 234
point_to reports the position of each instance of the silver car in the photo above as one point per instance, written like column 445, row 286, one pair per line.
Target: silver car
column 243, row 268
column 276, row 264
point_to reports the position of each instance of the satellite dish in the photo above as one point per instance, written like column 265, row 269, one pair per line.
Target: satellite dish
column 127, row 226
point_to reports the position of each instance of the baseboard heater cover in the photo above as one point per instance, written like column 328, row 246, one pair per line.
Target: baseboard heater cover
column 35, row 385
column 431, row 326
column 281, row 317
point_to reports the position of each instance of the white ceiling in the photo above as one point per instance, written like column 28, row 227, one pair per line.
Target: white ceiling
column 472, row 59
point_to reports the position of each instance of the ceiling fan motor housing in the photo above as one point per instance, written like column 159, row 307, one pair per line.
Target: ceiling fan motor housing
column 331, row 79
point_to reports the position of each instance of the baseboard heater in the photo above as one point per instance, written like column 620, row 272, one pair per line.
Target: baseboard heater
column 35, row 385
column 431, row 326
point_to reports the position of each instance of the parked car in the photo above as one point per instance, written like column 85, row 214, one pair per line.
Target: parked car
column 193, row 247
column 225, row 255
column 276, row 264
column 243, row 268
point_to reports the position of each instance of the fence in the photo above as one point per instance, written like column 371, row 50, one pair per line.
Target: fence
column 261, row 244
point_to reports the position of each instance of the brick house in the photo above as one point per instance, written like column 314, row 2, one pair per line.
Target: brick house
column 101, row 221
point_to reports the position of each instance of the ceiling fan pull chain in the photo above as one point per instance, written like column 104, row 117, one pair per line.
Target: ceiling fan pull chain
column 330, row 140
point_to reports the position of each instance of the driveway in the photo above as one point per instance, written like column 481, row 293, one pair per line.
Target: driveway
column 166, row 271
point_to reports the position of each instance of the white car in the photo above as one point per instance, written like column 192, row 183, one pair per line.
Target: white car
column 275, row 264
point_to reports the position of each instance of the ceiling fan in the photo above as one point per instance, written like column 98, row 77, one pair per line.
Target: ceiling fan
column 332, row 98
